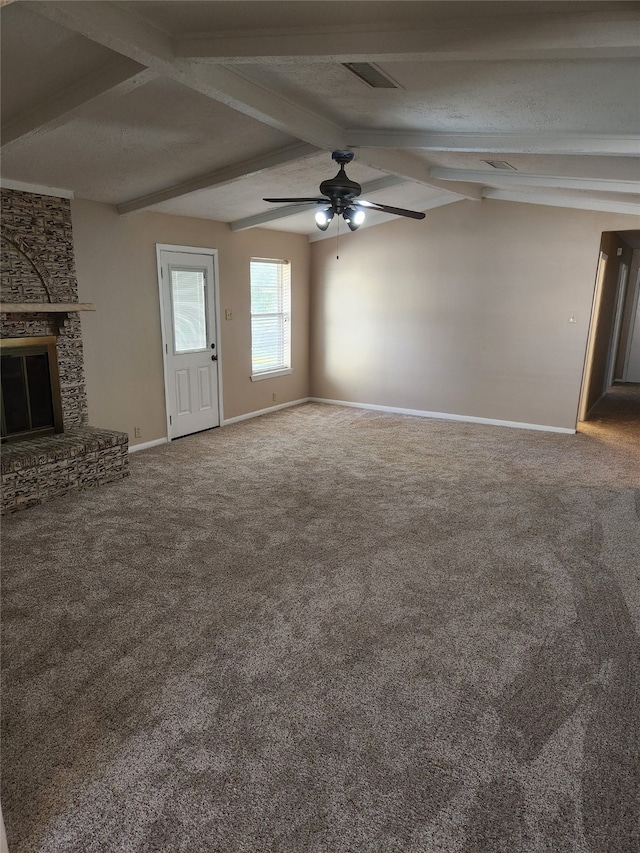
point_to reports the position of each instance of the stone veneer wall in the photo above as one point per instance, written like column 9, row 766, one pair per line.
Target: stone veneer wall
column 38, row 266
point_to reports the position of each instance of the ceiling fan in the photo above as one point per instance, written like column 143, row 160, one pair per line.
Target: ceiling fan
column 341, row 198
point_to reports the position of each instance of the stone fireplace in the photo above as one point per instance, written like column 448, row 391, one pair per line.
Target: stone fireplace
column 48, row 449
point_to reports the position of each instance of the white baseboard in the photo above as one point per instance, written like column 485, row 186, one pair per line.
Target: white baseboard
column 257, row 414
column 146, row 445
column 394, row 410
column 444, row 416
column 225, row 422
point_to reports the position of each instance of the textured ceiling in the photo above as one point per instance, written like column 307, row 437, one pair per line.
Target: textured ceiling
column 203, row 108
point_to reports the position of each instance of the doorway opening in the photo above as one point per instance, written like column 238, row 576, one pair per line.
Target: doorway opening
column 610, row 393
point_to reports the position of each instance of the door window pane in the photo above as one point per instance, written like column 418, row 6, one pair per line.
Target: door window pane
column 188, row 299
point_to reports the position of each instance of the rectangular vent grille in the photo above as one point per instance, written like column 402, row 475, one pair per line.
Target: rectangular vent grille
column 370, row 75
column 500, row 164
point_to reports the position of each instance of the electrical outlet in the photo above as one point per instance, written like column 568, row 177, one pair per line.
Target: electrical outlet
column 137, row 432
column 228, row 314
column 274, row 397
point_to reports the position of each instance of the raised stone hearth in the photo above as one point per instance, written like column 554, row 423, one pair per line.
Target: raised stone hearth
column 39, row 469
column 39, row 298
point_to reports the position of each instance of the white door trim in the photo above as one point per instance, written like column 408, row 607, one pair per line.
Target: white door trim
column 194, row 250
column 593, row 322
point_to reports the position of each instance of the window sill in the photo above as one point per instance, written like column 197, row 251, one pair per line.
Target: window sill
column 271, row 374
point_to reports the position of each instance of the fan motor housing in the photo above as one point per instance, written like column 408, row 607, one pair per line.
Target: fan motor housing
column 340, row 187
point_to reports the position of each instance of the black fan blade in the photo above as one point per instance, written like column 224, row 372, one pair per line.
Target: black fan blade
column 385, row 208
column 301, row 200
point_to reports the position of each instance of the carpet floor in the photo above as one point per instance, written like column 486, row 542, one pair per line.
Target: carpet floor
column 331, row 630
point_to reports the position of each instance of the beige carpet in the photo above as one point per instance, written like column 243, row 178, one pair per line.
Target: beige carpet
column 615, row 419
column 330, row 630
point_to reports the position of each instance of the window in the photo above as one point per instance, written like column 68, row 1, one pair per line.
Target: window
column 270, row 318
column 188, row 300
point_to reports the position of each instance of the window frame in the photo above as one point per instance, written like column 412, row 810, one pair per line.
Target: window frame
column 284, row 294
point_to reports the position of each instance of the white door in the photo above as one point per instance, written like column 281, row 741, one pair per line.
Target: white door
column 188, row 288
column 632, row 360
column 614, row 344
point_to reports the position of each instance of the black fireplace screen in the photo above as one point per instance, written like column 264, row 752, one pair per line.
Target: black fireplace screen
column 30, row 388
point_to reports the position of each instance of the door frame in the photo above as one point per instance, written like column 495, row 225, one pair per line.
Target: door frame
column 215, row 303
column 591, row 336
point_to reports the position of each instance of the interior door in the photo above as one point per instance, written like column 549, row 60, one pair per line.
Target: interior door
column 632, row 360
column 191, row 349
column 614, row 344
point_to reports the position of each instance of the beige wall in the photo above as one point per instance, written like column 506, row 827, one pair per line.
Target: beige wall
column 466, row 312
column 116, row 266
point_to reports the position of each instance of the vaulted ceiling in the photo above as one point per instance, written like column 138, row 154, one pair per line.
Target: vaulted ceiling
column 203, row 108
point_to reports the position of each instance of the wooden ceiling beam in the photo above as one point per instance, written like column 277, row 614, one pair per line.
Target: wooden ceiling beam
column 594, row 144
column 496, row 177
column 513, row 36
column 221, row 177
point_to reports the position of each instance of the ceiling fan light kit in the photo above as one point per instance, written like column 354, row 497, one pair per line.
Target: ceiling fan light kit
column 354, row 218
column 341, row 195
column 323, row 218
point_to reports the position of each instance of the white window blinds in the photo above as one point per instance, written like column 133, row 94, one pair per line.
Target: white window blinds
column 270, row 315
column 188, row 300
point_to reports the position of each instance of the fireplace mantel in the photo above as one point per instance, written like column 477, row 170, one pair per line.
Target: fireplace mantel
column 45, row 307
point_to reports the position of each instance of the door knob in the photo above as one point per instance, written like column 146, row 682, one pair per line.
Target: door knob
column 214, row 358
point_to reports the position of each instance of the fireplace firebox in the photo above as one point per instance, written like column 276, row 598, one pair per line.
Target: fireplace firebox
column 31, row 403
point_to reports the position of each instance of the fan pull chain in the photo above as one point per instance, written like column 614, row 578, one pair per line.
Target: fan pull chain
column 338, row 242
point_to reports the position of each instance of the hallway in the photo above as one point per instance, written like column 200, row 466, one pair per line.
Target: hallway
column 616, row 416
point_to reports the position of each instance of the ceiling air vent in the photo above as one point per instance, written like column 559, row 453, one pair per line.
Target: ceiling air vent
column 500, row 164
column 371, row 75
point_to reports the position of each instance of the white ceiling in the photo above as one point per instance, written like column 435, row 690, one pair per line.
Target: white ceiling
column 203, row 108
